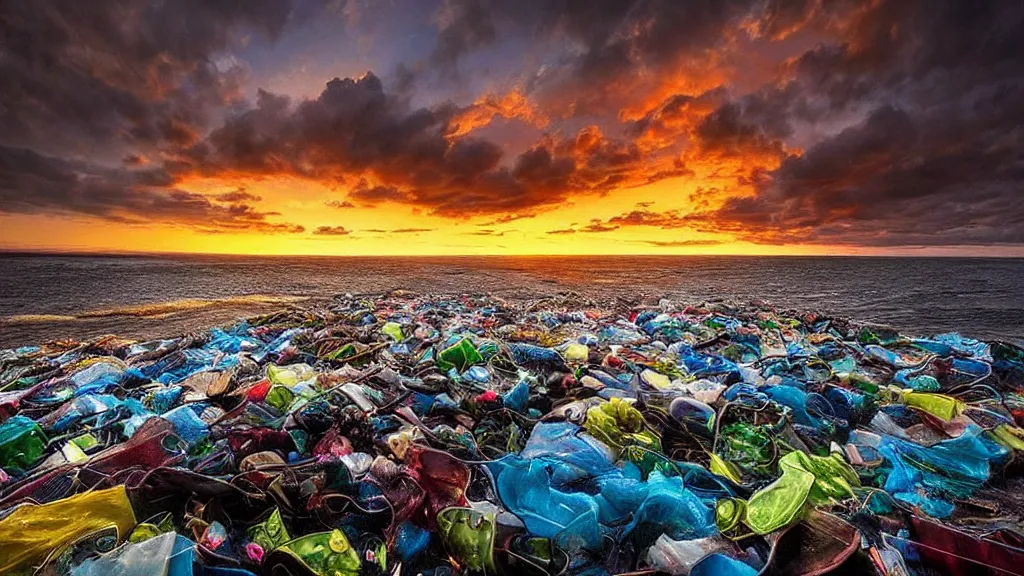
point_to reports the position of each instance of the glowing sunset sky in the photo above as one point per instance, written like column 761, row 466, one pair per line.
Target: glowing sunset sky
column 513, row 126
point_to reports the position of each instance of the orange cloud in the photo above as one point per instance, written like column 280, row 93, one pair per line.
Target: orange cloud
column 483, row 111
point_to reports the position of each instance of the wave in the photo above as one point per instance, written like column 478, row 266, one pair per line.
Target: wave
column 155, row 310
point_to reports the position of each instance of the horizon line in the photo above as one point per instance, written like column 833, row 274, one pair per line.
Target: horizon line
column 141, row 253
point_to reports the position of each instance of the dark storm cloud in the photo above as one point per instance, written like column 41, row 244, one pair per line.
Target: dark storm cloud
column 891, row 180
column 331, row 231
column 611, row 33
column 675, row 110
column 725, row 132
column 122, row 81
column 122, row 73
column 940, row 82
column 779, row 18
column 374, row 194
column 936, row 160
column 135, row 160
column 892, row 122
column 117, row 195
column 354, row 128
column 610, row 40
column 463, row 25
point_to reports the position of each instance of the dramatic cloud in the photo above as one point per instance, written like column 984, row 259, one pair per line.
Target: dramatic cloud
column 123, row 74
column 375, row 194
column 484, row 110
column 889, row 180
column 932, row 155
column 356, row 127
column 862, row 123
column 463, row 26
column 116, row 195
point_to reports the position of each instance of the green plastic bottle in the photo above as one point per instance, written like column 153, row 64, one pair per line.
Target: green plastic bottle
column 22, row 442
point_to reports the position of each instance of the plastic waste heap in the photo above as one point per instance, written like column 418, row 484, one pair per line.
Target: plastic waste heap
column 435, row 436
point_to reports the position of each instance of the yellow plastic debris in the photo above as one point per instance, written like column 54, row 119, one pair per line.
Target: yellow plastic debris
column 29, row 533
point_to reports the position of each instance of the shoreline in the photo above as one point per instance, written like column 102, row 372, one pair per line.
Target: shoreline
column 174, row 318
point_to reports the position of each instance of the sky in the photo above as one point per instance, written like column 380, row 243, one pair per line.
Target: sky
column 359, row 127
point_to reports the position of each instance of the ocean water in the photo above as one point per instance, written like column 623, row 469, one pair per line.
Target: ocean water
column 48, row 297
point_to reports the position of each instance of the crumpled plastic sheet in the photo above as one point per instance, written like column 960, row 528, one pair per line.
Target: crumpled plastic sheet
column 432, row 435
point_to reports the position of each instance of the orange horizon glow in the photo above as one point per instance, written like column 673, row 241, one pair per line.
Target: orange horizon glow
column 301, row 200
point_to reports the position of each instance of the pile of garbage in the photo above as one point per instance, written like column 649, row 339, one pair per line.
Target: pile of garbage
column 434, row 436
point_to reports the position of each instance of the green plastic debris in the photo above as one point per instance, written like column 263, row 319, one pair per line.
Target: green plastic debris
column 280, row 397
column 394, row 330
column 289, row 375
column 819, row 480
column 300, row 438
column 460, row 355
column 725, row 469
column 938, row 405
column 22, row 442
column 618, row 424
column 862, row 382
column 86, row 441
column 468, row 536
column 779, row 503
column 729, row 512
column 72, row 453
column 834, row 479
column 749, row 447
column 648, row 461
column 271, row 533
column 1008, row 436
column 324, row 553
column 488, row 349
column 346, row 351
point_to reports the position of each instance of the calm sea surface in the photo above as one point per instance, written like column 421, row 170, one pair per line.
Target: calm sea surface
column 47, row 297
